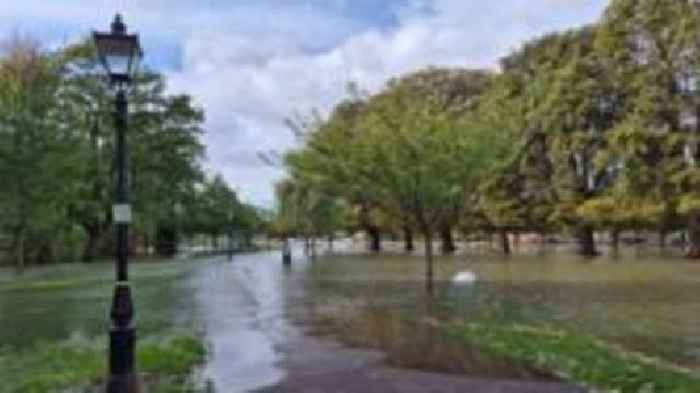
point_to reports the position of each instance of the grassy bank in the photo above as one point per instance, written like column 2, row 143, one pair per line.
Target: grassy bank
column 55, row 339
column 498, row 349
column 165, row 364
column 577, row 358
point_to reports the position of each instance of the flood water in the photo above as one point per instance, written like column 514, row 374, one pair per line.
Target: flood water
column 648, row 304
column 254, row 312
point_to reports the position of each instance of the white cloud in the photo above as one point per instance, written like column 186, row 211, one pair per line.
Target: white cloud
column 252, row 64
column 249, row 84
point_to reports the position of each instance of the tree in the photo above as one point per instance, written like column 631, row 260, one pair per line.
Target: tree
column 411, row 152
column 56, row 152
column 36, row 148
column 575, row 106
column 656, row 66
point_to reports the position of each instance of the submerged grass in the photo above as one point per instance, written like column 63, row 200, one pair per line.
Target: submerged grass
column 495, row 348
column 578, row 358
column 67, row 276
column 409, row 342
column 80, row 364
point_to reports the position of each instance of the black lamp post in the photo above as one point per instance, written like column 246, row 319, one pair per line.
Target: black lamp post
column 120, row 54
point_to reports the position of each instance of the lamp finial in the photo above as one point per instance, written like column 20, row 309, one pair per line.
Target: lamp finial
column 118, row 26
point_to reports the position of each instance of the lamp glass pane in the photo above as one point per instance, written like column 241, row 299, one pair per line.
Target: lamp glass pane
column 117, row 52
column 118, row 65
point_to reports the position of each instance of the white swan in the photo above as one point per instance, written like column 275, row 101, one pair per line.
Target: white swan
column 464, row 278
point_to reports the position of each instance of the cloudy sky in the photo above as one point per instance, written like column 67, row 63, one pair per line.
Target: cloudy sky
column 253, row 63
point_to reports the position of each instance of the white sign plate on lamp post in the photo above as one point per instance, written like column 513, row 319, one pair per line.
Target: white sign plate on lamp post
column 121, row 213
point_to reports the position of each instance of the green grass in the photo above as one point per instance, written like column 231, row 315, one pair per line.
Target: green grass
column 35, row 356
column 578, row 358
column 80, row 363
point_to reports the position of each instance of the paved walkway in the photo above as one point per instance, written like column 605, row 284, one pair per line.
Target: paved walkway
column 315, row 366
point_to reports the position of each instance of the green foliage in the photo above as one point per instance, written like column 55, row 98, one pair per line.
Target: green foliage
column 56, row 159
column 215, row 209
column 595, row 127
column 404, row 158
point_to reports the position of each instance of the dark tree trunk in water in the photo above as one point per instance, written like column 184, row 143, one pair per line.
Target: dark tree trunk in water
column 429, row 272
column 147, row 244
column 166, row 241
column 505, row 242
column 19, row 250
column 448, row 244
column 543, row 243
column 215, row 242
column 375, row 239
column 93, row 238
column 637, row 243
column 615, row 242
column 694, row 235
column 45, row 255
column 662, row 241
column 408, row 239
column 586, row 242
column 313, row 247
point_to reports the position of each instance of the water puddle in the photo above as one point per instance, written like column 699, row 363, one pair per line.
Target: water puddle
column 240, row 309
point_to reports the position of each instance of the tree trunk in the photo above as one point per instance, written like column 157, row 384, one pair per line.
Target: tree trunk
column 637, row 243
column 19, row 250
column 543, row 243
column 93, row 238
column 694, row 235
column 215, row 242
column 505, row 242
column 146, row 244
column 375, row 244
column 448, row 244
column 586, row 242
column 229, row 246
column 313, row 247
column 165, row 241
column 330, row 243
column 615, row 243
column 429, row 271
column 45, row 254
column 408, row 239
column 662, row 241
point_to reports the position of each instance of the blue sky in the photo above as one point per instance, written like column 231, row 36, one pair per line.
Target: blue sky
column 252, row 63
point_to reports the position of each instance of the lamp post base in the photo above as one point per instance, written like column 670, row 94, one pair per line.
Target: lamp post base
column 123, row 384
column 122, row 341
column 122, row 378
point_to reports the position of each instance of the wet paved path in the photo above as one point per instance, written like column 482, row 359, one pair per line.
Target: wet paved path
column 255, row 349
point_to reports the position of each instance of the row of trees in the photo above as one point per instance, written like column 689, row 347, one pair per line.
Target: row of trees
column 581, row 131
column 57, row 169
